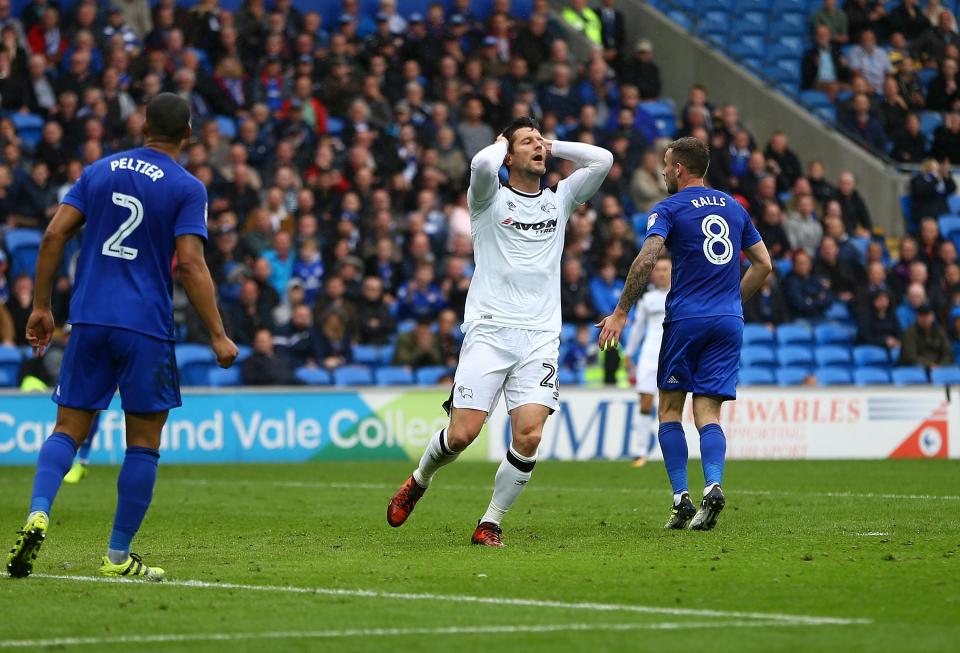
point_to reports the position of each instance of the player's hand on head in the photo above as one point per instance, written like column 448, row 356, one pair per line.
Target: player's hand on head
column 40, row 330
column 225, row 350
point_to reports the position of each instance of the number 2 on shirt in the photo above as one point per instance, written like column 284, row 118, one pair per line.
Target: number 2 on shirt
column 114, row 246
column 717, row 232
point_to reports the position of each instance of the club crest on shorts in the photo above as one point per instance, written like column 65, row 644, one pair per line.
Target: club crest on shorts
column 465, row 393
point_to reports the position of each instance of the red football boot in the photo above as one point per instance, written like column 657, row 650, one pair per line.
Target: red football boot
column 403, row 502
column 487, row 534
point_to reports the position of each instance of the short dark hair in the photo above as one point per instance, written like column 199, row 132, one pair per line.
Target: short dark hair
column 168, row 117
column 692, row 153
column 519, row 123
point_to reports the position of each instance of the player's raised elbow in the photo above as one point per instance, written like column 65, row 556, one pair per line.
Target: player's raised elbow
column 481, row 164
column 604, row 159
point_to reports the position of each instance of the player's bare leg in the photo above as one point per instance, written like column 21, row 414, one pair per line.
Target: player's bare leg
column 673, row 444
column 644, row 426
column 443, row 449
column 53, row 463
column 713, row 447
column 526, row 423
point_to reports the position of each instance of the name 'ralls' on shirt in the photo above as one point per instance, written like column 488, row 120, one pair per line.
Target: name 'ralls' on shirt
column 143, row 167
column 700, row 202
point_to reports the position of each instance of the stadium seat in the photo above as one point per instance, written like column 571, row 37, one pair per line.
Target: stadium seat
column 366, row 355
column 756, row 376
column 227, row 127
column 778, row 7
column 431, row 375
column 795, row 356
column 663, row 117
column 386, row 353
column 954, row 203
column 926, row 76
column 949, row 223
column 243, row 353
column 723, row 6
column 679, row 18
column 831, row 334
column 834, row 376
column 832, row 356
column 758, row 356
column 757, row 334
column 746, row 46
column 929, row 121
column 794, row 334
column 865, row 356
column 568, row 331
column 815, row 99
column 949, row 375
column 914, row 375
column 11, row 359
column 871, row 376
column 29, row 127
column 837, row 311
column 194, row 363
column 7, row 380
column 568, row 376
column 335, row 126
column 352, row 375
column 23, row 246
column 787, row 28
column 312, row 376
column 219, row 378
column 787, row 376
column 394, row 375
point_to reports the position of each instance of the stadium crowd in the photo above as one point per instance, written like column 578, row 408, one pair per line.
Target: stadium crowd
column 336, row 158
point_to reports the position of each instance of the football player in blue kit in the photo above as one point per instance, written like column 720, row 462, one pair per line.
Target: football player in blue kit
column 705, row 231
column 137, row 208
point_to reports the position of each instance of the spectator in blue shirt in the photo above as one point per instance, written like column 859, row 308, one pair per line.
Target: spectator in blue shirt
column 308, row 268
column 420, row 297
column 807, row 295
column 907, row 311
column 605, row 288
column 281, row 261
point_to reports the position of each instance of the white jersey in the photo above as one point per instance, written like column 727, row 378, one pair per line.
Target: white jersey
column 518, row 238
column 648, row 326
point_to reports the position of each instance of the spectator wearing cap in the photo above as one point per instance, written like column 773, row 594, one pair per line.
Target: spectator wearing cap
column 822, row 67
column 878, row 325
column 946, row 139
column 584, row 20
column 925, row 342
column 375, row 321
column 419, row 347
column 929, row 190
column 870, row 60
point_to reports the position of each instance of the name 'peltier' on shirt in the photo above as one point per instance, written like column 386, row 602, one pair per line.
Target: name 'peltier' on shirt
column 136, row 165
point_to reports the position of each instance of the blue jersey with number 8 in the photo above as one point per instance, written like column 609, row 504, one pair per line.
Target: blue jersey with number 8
column 704, row 230
column 135, row 204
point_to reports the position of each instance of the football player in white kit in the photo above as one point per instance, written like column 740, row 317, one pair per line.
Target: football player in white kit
column 648, row 327
column 512, row 317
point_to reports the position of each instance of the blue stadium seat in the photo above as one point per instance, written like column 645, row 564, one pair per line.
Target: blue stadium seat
column 29, row 127
column 568, row 376
column 926, row 76
column 837, row 311
column 871, row 376
column 23, row 246
column 568, row 331
column 793, row 334
column 870, row 356
column 243, row 353
column 757, row 334
column 679, row 18
column 831, row 334
column 724, row 6
column 746, row 46
column 7, row 380
column 827, row 114
column 194, row 363
column 662, row 115
column 948, row 224
column 954, row 203
column 755, row 376
column 815, row 99
column 906, row 208
column 386, row 353
column 778, row 7
column 787, row 376
column 832, row 356
column 394, row 375
column 219, row 378
column 366, row 354
column 913, row 375
column 352, row 375
column 312, row 376
column 751, row 6
column 945, row 375
column 834, row 376
column 758, row 355
column 751, row 22
column 227, row 127
column 335, row 126
column 11, row 359
column 930, row 120
column 795, row 356
column 431, row 375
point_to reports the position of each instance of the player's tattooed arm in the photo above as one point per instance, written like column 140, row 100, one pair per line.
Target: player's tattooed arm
column 639, row 273
column 612, row 326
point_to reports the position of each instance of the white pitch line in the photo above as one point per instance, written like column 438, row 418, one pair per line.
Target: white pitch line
column 489, row 600
column 560, row 488
column 381, row 632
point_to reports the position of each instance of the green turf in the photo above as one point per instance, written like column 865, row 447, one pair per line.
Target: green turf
column 582, row 532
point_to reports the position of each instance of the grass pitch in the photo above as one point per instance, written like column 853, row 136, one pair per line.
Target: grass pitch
column 808, row 556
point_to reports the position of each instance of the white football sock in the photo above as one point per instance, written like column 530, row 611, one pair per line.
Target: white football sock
column 640, row 438
column 512, row 476
column 436, row 455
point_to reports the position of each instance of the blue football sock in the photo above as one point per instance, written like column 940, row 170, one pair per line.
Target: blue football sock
column 83, row 455
column 56, row 457
column 138, row 474
column 713, row 450
column 673, row 444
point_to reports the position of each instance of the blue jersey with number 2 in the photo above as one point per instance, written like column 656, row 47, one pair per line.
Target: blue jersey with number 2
column 135, row 204
column 704, row 230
